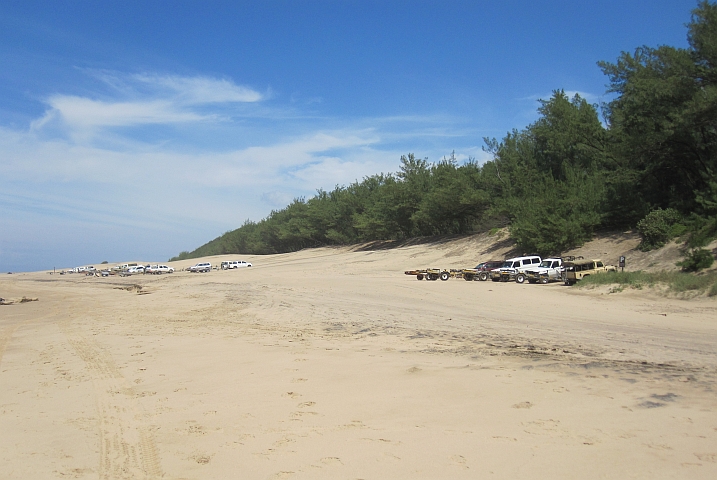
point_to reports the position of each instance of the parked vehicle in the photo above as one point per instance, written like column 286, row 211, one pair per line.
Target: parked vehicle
column 579, row 269
column 482, row 270
column 513, row 266
column 136, row 269
column 201, row 267
column 549, row 270
column 232, row 264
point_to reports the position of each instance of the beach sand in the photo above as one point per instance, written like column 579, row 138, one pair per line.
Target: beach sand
column 330, row 363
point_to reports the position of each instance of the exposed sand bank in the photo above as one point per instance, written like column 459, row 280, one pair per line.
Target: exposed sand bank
column 330, row 363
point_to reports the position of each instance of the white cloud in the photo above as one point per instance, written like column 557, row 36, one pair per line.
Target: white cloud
column 26, row 157
column 78, row 112
column 201, row 90
column 144, row 99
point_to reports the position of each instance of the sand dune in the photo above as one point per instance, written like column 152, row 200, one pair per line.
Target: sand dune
column 330, row 363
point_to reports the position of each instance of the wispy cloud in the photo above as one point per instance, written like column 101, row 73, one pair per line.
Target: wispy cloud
column 78, row 112
column 142, row 99
column 201, row 90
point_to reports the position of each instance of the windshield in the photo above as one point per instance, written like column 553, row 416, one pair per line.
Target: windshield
column 546, row 263
column 507, row 264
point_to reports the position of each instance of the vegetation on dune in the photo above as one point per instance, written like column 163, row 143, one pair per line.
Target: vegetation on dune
column 676, row 282
column 649, row 162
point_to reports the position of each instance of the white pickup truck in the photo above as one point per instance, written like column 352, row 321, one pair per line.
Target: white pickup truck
column 549, row 270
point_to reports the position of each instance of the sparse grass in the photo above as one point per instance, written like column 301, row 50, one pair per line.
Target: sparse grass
column 676, row 282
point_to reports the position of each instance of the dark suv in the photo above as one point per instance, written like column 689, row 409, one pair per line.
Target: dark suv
column 482, row 270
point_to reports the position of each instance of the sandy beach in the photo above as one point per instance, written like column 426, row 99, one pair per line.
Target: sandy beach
column 331, row 363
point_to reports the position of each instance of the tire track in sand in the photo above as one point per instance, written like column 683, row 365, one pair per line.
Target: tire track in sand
column 127, row 448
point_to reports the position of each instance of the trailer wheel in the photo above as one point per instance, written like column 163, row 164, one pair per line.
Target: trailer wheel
column 419, row 276
column 520, row 278
column 445, row 276
column 544, row 280
column 483, row 276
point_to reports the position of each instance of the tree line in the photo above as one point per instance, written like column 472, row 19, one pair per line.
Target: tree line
column 579, row 168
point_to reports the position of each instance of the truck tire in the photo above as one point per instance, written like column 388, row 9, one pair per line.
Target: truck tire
column 483, row 276
column 544, row 280
column 445, row 276
column 520, row 278
column 419, row 276
column 468, row 277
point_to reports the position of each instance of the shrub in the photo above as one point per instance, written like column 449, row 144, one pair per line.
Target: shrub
column 657, row 228
column 696, row 259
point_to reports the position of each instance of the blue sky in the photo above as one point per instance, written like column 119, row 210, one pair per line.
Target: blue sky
column 134, row 129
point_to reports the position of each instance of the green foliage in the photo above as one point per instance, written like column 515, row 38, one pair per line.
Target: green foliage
column 549, row 177
column 704, row 225
column 568, row 132
column 105, row 262
column 559, row 215
column 664, row 119
column 656, row 228
column 696, row 259
column 704, row 230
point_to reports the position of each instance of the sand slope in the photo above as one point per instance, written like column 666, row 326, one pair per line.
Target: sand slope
column 330, row 363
